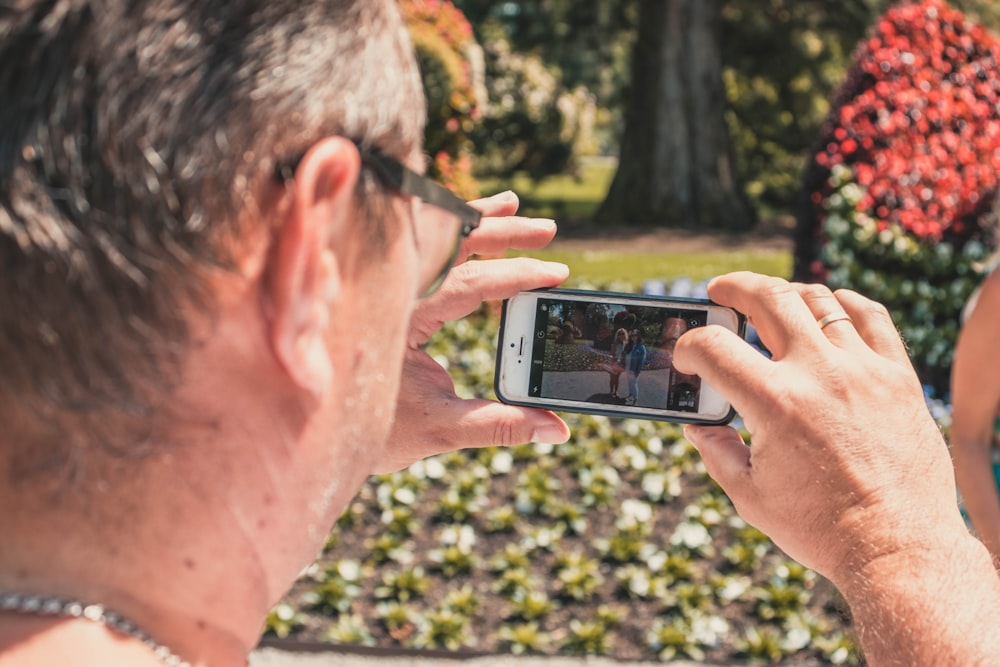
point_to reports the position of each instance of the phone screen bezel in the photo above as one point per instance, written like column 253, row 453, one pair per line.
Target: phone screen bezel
column 518, row 326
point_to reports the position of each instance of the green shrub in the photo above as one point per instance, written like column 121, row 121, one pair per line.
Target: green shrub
column 443, row 41
column 531, row 122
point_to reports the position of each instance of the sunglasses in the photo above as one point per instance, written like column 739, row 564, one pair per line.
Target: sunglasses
column 440, row 224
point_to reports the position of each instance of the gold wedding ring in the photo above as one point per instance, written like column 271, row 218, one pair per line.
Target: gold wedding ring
column 833, row 317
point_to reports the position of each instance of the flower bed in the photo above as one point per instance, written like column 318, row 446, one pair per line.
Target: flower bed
column 615, row 544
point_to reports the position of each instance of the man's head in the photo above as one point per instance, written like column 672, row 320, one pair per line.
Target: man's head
column 139, row 143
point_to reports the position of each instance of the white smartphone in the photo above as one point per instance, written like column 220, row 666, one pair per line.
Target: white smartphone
column 607, row 353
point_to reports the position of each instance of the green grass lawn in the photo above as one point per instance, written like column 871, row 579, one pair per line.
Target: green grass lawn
column 601, row 268
column 577, row 198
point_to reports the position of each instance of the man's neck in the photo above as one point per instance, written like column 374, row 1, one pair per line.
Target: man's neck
column 189, row 579
column 29, row 641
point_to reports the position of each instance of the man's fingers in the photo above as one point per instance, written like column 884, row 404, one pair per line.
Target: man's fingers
column 501, row 230
column 474, row 424
column 496, row 235
column 491, row 424
column 502, row 278
column 500, row 204
column 726, row 457
column 772, row 306
column 477, row 423
column 726, row 362
column 469, row 284
column 829, row 314
column 875, row 325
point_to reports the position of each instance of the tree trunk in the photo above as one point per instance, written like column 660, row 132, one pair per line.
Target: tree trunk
column 675, row 167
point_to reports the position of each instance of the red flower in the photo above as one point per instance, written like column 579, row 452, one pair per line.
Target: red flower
column 922, row 131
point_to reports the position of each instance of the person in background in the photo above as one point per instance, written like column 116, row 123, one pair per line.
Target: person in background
column 975, row 427
column 617, row 363
column 635, row 359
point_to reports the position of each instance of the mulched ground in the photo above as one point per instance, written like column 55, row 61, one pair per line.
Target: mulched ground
column 777, row 597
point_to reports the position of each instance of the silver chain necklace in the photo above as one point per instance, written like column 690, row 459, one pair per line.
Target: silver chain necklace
column 39, row 605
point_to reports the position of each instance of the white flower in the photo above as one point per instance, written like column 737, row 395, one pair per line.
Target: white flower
column 734, row 588
column 707, row 630
column 654, row 484
column 434, row 469
column 284, row 612
column 673, row 483
column 655, row 560
column 635, row 511
column 503, row 462
column 852, row 192
column 464, row 537
column 350, row 570
column 711, row 517
column 636, row 457
column 691, row 535
column 404, row 496
column 840, row 656
column 796, row 639
column 637, row 581
column 384, row 494
column 542, row 538
column 841, row 173
column 679, row 450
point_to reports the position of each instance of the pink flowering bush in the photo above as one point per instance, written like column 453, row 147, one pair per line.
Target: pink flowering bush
column 444, row 42
column 902, row 186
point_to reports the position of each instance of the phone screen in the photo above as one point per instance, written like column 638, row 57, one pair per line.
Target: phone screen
column 613, row 354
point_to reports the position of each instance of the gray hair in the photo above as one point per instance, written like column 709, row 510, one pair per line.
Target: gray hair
column 132, row 135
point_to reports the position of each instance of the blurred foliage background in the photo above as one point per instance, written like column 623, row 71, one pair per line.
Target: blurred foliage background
column 571, row 105
column 555, row 79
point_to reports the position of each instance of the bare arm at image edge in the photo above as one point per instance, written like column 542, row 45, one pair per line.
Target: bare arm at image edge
column 975, row 399
column 934, row 606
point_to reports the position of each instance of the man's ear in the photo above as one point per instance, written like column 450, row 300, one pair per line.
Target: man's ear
column 305, row 264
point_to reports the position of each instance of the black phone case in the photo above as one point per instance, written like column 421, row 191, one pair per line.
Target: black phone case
column 609, row 412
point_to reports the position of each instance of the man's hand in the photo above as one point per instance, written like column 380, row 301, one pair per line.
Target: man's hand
column 846, row 464
column 430, row 417
column 847, row 471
